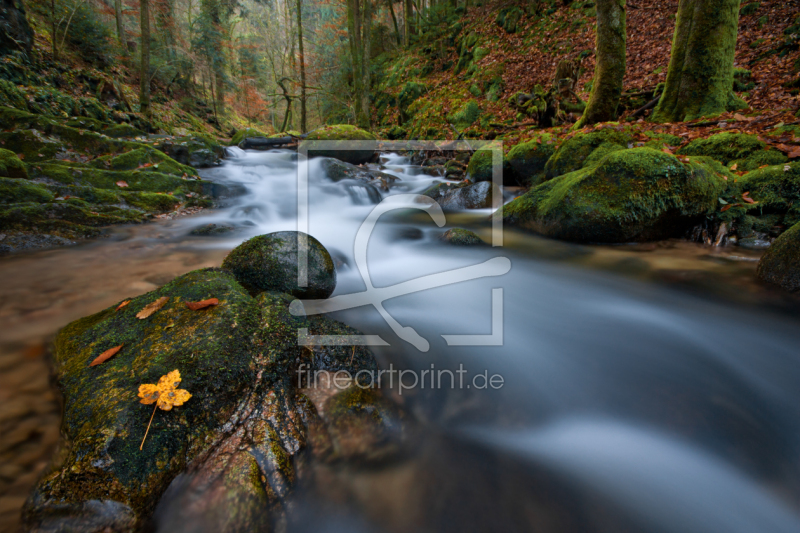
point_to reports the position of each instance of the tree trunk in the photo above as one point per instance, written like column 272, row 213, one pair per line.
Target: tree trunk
column 609, row 67
column 354, row 33
column 366, row 25
column 394, row 21
column 700, row 75
column 144, row 83
column 120, row 27
column 54, row 26
column 407, row 24
column 303, row 128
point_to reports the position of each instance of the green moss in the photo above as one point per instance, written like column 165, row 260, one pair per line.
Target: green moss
column 576, row 153
column 340, row 132
column 631, row 195
column 123, row 130
column 466, row 115
column 151, row 202
column 247, row 132
column 461, row 237
column 776, row 189
column 269, row 263
column 145, row 160
column 137, row 180
column 481, row 164
column 780, row 265
column 725, row 147
column 11, row 96
column 70, row 219
column 14, row 191
column 103, row 421
column 524, row 163
column 11, row 166
column 363, row 153
column 84, row 123
column 760, row 159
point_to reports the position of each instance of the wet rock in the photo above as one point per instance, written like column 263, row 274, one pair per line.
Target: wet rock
column 240, row 135
column 756, row 242
column 270, row 263
column 222, row 461
column 11, row 166
column 631, row 195
column 780, row 265
column 463, row 195
column 198, row 152
column 211, row 230
column 19, row 241
column 461, row 237
column 339, row 171
column 354, row 154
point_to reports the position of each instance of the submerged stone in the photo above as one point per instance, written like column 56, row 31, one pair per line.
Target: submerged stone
column 270, row 263
column 461, row 237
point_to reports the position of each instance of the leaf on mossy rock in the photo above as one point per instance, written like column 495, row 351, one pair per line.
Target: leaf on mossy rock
column 122, row 184
column 123, row 304
column 152, row 307
column 166, row 392
column 196, row 306
column 105, row 356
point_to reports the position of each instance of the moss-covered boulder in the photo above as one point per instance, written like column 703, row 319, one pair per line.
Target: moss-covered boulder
column 630, row 196
column 240, row 135
column 123, row 130
column 224, row 459
column 196, row 151
column 777, row 191
column 360, row 151
column 104, row 423
column 524, row 163
column 585, row 150
column 11, row 166
column 480, row 167
column 745, row 151
column 144, row 159
column 14, row 191
column 270, row 263
column 461, row 237
column 780, row 265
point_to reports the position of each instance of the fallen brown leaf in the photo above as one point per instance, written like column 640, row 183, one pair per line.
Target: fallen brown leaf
column 123, row 304
column 105, row 356
column 196, row 306
column 152, row 307
column 794, row 153
column 122, row 184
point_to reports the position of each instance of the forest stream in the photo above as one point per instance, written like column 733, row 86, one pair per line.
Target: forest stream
column 648, row 387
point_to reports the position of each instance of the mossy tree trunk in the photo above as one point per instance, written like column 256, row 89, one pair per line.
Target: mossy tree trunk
column 700, row 76
column 302, row 60
column 144, row 83
column 120, row 27
column 359, row 18
column 609, row 67
column 408, row 14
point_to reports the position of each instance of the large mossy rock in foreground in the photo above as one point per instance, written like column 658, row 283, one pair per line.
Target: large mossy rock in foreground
column 355, row 146
column 104, row 423
column 630, row 196
column 780, row 265
column 270, row 263
column 223, row 460
column 585, row 150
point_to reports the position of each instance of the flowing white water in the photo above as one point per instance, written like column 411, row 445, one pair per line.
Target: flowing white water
column 680, row 415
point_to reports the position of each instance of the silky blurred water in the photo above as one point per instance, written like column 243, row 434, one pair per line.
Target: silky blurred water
column 627, row 405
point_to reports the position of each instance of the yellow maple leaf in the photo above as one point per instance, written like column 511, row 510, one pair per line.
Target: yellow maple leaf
column 165, row 394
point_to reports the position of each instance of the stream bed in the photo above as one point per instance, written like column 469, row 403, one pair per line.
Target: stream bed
column 649, row 387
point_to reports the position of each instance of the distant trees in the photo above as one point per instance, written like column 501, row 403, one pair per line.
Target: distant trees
column 144, row 62
column 359, row 21
column 700, row 75
column 609, row 69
